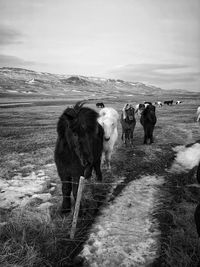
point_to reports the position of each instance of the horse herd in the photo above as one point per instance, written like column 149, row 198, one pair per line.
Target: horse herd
column 86, row 137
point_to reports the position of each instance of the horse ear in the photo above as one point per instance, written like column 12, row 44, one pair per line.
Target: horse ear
column 79, row 105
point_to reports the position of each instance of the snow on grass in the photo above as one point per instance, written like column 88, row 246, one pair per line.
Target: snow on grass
column 17, row 191
column 125, row 234
column 186, row 158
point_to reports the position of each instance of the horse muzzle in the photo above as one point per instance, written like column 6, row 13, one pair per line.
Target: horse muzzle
column 130, row 118
column 87, row 170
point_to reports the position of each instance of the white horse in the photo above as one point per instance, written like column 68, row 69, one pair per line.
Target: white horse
column 108, row 119
column 198, row 114
column 158, row 103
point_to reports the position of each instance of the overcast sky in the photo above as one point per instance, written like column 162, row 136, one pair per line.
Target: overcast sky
column 152, row 41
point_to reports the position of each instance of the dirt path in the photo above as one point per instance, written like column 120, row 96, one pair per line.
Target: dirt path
column 126, row 234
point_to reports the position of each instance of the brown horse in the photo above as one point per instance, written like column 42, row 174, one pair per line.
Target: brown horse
column 128, row 123
column 78, row 149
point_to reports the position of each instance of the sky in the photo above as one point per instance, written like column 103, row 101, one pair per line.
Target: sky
column 151, row 41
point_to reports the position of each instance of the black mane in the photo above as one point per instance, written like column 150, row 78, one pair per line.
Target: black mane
column 73, row 117
column 90, row 118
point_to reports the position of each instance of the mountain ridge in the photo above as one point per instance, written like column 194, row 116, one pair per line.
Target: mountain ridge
column 23, row 81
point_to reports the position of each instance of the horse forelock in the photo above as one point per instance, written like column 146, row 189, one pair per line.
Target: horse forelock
column 88, row 118
column 130, row 113
column 70, row 113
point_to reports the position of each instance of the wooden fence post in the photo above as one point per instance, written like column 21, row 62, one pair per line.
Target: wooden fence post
column 77, row 206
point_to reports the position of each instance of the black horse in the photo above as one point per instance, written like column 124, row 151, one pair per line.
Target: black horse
column 78, row 149
column 168, row 102
column 100, row 105
column 148, row 120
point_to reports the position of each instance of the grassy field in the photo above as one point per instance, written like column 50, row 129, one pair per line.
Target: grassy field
column 27, row 140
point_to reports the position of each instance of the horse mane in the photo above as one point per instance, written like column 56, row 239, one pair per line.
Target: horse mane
column 125, row 108
column 124, row 111
column 72, row 117
column 148, row 109
column 90, row 118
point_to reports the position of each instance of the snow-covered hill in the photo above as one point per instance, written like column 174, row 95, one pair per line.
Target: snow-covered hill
column 18, row 81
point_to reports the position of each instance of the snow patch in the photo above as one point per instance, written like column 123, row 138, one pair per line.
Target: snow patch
column 125, row 234
column 76, row 91
column 32, row 81
column 19, row 190
column 186, row 158
column 12, row 91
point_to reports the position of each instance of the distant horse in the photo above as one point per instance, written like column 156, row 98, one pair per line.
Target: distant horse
column 128, row 123
column 100, row 105
column 159, row 103
column 78, row 149
column 108, row 120
column 148, row 121
column 147, row 102
column 168, row 102
column 178, row 102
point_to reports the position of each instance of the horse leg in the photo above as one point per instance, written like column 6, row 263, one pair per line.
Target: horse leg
column 108, row 158
column 97, row 168
column 88, row 172
column 131, row 137
column 126, row 137
column 151, row 137
column 122, row 136
column 145, row 137
column 66, row 191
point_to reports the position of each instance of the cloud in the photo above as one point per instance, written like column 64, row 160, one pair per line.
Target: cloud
column 12, row 61
column 9, row 36
column 164, row 75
